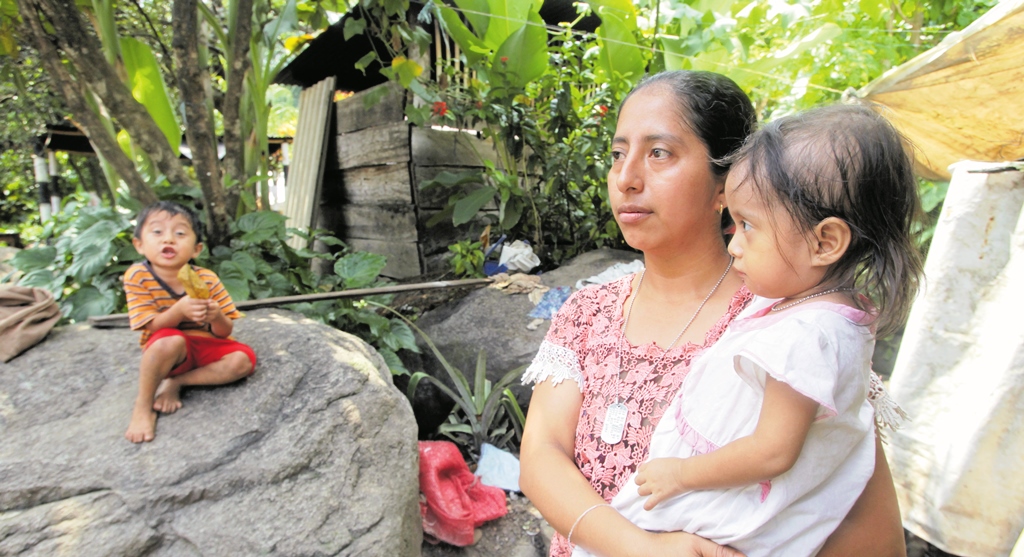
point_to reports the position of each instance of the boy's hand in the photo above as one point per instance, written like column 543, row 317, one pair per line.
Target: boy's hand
column 661, row 478
column 194, row 309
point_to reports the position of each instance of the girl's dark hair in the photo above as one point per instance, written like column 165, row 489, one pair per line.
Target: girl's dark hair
column 712, row 106
column 172, row 209
column 846, row 162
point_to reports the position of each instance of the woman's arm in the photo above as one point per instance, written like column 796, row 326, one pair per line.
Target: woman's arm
column 772, row 449
column 550, row 479
column 873, row 526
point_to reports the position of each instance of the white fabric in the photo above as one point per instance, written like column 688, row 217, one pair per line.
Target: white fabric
column 555, row 362
column 616, row 271
column 960, row 374
column 518, row 256
column 822, row 351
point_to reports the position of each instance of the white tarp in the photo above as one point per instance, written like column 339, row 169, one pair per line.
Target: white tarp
column 962, row 99
column 959, row 464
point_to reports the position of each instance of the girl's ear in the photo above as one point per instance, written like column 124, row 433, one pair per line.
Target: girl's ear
column 198, row 250
column 833, row 239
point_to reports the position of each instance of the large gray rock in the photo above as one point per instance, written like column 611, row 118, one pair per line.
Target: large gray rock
column 315, row 454
column 495, row 321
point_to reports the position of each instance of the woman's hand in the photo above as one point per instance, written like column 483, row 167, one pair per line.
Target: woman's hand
column 687, row 545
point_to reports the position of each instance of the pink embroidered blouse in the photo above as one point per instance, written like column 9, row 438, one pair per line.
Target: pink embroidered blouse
column 585, row 344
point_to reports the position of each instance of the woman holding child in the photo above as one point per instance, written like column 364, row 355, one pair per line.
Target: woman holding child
column 617, row 354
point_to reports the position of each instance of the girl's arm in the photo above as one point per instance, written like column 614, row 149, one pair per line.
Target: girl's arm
column 550, row 479
column 873, row 526
column 772, row 449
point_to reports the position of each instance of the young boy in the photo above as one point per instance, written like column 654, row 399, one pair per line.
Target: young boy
column 185, row 341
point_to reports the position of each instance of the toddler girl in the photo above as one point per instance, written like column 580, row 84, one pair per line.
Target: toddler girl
column 771, row 438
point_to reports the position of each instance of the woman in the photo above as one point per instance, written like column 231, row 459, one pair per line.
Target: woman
column 616, row 354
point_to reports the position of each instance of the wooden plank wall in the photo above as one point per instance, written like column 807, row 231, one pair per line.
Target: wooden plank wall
column 381, row 160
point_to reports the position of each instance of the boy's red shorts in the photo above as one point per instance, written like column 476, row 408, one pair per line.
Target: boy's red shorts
column 202, row 350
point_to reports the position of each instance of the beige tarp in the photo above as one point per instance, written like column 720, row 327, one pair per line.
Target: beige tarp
column 963, row 99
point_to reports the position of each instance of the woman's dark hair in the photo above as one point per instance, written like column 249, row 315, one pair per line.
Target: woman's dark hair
column 712, row 106
column 172, row 209
column 846, row 162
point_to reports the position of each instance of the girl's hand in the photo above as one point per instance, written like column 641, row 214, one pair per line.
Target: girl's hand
column 661, row 478
column 687, row 545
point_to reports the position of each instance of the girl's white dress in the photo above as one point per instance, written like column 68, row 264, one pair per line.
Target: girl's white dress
column 821, row 349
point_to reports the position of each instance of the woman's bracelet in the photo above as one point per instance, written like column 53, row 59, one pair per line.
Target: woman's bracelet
column 578, row 519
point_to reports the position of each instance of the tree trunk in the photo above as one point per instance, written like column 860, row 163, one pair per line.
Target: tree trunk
column 199, row 128
column 238, row 61
column 88, row 121
column 85, row 52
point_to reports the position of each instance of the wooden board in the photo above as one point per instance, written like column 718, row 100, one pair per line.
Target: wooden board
column 403, row 258
column 370, row 185
column 437, row 197
column 432, row 147
column 395, row 223
column 360, row 111
column 374, row 146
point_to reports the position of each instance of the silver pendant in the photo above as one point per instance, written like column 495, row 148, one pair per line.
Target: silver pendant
column 614, row 423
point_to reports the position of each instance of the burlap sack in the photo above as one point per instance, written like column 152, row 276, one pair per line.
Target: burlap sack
column 26, row 316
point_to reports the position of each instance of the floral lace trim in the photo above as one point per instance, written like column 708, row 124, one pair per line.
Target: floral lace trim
column 553, row 362
column 888, row 414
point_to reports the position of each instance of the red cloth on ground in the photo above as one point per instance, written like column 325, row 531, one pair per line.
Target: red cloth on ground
column 453, row 501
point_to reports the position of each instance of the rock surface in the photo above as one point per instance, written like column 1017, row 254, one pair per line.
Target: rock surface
column 313, row 455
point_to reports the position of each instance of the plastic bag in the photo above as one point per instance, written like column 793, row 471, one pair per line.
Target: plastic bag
column 519, row 256
column 454, row 502
column 498, row 468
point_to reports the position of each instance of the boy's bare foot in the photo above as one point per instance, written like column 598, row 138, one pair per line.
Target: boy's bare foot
column 142, row 428
column 167, row 398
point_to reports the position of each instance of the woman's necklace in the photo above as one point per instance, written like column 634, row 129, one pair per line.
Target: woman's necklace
column 777, row 307
column 617, row 412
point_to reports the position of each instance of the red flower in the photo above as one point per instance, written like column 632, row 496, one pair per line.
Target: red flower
column 479, row 104
column 504, row 59
column 440, row 108
column 602, row 110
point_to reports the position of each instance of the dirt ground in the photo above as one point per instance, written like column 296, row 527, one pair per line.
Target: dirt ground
column 520, row 533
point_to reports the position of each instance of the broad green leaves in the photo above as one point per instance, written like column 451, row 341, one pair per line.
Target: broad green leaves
column 147, row 85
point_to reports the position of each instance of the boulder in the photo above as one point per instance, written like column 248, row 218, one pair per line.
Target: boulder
column 315, row 454
column 496, row 322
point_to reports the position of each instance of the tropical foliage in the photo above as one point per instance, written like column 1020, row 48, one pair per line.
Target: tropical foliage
column 543, row 95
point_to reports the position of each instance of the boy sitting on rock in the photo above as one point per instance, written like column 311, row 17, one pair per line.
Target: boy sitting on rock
column 185, row 337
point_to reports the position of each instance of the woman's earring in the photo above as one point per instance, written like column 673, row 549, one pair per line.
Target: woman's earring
column 721, row 208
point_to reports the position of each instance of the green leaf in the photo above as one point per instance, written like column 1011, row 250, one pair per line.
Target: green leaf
column 88, row 301
column 32, row 259
column 394, row 363
column 507, row 17
column 354, row 26
column 261, row 225
column 404, row 336
column 523, row 56
column 89, row 260
column 233, row 278
column 478, row 12
column 361, row 269
column 620, row 56
column 365, row 61
column 147, row 84
column 472, row 47
column 467, row 207
column 624, row 10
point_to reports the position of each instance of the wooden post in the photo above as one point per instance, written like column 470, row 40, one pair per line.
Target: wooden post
column 43, row 183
